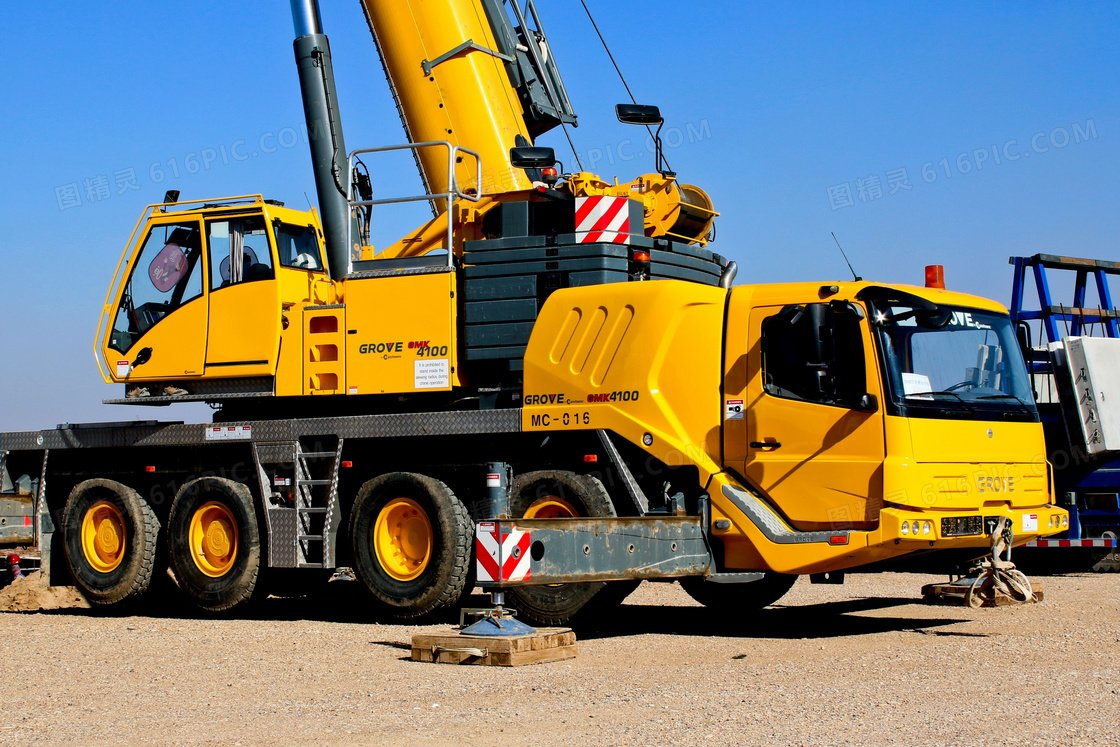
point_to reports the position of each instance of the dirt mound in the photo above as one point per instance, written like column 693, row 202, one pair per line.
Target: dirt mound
column 32, row 594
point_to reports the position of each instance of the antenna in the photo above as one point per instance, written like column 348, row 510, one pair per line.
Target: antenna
column 845, row 256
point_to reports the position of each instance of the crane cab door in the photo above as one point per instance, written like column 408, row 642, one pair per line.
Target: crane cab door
column 161, row 312
column 815, row 440
column 243, row 329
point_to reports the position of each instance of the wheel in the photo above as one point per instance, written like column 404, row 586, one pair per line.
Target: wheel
column 214, row 543
column 554, row 494
column 739, row 598
column 411, row 540
column 111, row 537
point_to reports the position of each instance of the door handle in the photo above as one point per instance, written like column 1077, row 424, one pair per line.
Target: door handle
column 766, row 445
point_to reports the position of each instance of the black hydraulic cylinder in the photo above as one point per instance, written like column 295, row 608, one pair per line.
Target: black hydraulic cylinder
column 324, row 130
column 497, row 490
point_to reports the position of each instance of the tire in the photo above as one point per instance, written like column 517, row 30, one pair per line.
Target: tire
column 739, row 599
column 214, row 543
column 551, row 494
column 411, row 539
column 111, row 537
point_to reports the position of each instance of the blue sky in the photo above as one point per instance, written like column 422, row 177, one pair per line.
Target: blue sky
column 955, row 133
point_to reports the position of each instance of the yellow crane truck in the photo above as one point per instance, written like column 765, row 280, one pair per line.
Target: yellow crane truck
column 551, row 386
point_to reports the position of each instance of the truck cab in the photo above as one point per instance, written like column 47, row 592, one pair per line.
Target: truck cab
column 829, row 425
column 205, row 291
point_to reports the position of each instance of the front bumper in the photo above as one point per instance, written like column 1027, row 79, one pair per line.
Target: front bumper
column 948, row 529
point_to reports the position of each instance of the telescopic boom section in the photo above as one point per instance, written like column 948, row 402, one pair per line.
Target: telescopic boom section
column 465, row 72
column 324, row 128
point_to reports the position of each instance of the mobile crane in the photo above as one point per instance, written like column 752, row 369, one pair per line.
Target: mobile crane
column 376, row 405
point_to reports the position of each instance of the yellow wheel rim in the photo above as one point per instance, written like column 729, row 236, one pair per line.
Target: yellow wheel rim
column 551, row 507
column 104, row 536
column 402, row 539
column 213, row 539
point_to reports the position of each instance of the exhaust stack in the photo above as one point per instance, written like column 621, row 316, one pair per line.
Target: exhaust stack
column 324, row 130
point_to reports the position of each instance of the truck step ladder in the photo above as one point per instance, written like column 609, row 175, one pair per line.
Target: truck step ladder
column 301, row 482
column 316, row 491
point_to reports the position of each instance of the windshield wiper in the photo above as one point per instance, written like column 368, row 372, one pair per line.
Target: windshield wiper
column 1005, row 395
column 946, row 393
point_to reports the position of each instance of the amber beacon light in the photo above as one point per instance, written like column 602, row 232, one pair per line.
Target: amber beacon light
column 935, row 276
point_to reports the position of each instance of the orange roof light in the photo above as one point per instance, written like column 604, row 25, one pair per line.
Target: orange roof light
column 935, row 276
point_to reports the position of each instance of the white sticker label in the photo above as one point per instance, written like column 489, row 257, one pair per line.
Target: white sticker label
column 229, row 433
column 733, row 410
column 493, row 480
column 352, row 390
column 1030, row 522
column 431, row 374
column 124, row 368
column 914, row 384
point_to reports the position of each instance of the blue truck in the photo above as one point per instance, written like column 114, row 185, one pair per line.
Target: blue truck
column 1073, row 354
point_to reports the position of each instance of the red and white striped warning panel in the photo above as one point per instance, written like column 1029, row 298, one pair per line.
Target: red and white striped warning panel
column 603, row 219
column 1072, row 543
column 501, row 558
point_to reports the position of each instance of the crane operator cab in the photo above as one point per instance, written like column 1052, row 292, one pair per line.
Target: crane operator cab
column 202, row 296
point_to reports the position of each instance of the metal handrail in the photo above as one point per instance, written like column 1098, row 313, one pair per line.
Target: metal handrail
column 453, row 193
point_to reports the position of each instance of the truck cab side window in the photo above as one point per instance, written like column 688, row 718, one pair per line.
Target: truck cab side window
column 814, row 354
column 239, row 251
column 298, row 246
column 167, row 275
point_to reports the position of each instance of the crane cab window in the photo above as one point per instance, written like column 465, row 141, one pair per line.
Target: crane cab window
column 814, row 353
column 166, row 275
column 239, row 251
column 298, row 246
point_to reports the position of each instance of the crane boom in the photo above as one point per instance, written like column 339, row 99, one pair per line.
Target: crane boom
column 462, row 71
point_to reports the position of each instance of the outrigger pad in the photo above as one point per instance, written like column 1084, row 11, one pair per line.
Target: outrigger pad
column 547, row 644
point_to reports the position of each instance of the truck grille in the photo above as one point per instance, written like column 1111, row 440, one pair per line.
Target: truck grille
column 961, row 526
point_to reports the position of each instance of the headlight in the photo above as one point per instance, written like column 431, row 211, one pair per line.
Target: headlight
column 905, row 528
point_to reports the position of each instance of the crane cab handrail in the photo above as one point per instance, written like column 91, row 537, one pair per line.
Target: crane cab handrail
column 454, row 191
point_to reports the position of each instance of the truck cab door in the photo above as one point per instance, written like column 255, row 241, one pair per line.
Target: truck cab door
column 813, row 424
column 159, row 320
column 243, row 330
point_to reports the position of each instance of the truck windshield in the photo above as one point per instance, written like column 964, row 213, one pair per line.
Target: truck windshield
column 951, row 362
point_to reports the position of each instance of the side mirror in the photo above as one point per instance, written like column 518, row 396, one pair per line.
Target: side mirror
column 1023, row 334
column 638, row 114
column 650, row 116
column 531, row 157
column 867, row 403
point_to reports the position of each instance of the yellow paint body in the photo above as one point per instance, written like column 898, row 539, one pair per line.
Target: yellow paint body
column 652, row 363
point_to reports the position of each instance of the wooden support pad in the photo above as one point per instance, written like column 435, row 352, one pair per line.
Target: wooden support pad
column 956, row 593
column 547, row 644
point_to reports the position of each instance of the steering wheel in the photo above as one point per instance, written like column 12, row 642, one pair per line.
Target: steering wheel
column 966, row 385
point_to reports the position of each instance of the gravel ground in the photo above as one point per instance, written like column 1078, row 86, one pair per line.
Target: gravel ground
column 862, row 663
